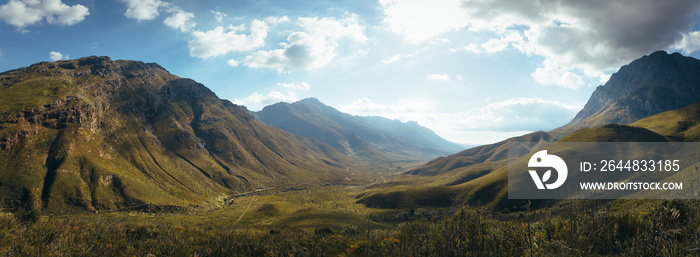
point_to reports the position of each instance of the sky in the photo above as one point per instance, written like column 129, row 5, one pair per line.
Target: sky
column 473, row 71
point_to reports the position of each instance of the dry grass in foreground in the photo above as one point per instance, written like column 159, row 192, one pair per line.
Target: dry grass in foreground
column 627, row 228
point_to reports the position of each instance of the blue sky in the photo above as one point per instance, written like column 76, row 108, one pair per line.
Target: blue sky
column 475, row 72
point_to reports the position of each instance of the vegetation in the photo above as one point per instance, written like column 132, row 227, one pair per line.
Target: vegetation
column 574, row 228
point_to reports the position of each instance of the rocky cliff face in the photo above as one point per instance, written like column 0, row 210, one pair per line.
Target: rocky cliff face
column 97, row 134
column 652, row 84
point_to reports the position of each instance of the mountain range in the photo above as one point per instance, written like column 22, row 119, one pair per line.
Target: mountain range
column 97, row 134
column 363, row 138
column 102, row 135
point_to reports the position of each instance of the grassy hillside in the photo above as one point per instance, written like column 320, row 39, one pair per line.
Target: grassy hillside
column 614, row 133
column 481, row 154
column 678, row 125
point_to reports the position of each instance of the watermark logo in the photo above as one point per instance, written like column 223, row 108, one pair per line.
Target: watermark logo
column 604, row 170
column 543, row 160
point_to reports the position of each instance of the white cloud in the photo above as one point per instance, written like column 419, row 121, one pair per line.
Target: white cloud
column 143, row 9
column 257, row 101
column 232, row 63
column 314, row 47
column 180, row 20
column 553, row 75
column 277, row 20
column 333, row 29
column 689, row 43
column 439, row 77
column 421, row 20
column 220, row 41
column 303, row 86
column 474, row 48
column 219, row 16
column 55, row 56
column 28, row 12
column 495, row 45
column 301, row 53
column 392, row 59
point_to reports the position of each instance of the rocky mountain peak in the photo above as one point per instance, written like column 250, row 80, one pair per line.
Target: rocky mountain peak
column 652, row 84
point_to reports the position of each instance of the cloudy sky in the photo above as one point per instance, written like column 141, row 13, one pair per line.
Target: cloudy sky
column 474, row 71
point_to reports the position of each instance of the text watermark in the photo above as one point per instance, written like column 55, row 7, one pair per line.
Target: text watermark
column 604, row 170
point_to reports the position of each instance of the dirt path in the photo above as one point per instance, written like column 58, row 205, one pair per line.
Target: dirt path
column 246, row 210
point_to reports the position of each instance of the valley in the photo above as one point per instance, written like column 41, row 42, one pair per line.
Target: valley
column 105, row 157
column 327, row 221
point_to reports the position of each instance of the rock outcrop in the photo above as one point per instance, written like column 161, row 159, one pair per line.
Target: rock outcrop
column 652, row 84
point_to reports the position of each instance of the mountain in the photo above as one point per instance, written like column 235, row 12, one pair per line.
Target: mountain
column 364, row 138
column 652, row 84
column 96, row 134
column 418, row 136
column 480, row 154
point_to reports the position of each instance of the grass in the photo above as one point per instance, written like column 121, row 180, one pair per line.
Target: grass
column 680, row 124
column 573, row 228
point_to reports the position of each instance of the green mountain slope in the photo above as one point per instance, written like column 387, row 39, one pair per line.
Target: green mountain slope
column 614, row 133
column 97, row 134
column 678, row 125
column 480, row 154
